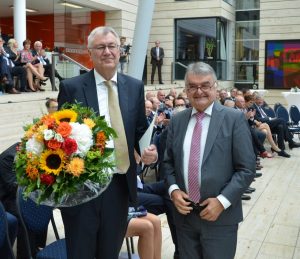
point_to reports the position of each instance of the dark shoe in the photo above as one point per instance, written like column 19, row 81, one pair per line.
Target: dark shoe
column 13, row 91
column 247, row 191
column 258, row 167
column 293, row 144
column 42, row 83
column 245, row 197
column 251, row 189
column 283, row 153
column 258, row 175
column 161, row 83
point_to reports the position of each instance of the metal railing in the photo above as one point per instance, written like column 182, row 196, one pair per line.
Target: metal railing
column 64, row 56
column 173, row 69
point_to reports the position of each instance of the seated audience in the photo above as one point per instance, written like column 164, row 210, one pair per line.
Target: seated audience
column 33, row 67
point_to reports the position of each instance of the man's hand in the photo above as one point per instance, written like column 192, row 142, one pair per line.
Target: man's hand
column 149, row 155
column 178, row 197
column 213, row 209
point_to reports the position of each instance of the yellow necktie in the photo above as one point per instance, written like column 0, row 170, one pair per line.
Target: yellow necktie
column 120, row 143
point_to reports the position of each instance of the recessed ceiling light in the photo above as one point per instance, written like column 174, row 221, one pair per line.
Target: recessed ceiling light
column 70, row 5
column 29, row 10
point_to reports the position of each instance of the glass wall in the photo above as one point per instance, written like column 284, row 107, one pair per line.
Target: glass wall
column 246, row 43
column 200, row 39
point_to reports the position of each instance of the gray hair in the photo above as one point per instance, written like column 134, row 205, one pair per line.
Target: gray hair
column 200, row 68
column 102, row 30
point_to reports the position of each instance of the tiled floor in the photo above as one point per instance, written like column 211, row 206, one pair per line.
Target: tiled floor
column 271, row 226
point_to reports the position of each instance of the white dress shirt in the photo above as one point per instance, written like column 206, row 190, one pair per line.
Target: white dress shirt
column 186, row 151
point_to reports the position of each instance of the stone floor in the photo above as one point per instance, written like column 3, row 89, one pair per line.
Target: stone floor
column 271, row 226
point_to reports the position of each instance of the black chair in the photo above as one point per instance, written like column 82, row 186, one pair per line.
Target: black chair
column 36, row 219
column 4, row 238
column 283, row 114
column 295, row 117
column 276, row 105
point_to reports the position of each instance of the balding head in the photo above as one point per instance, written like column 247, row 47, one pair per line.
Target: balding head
column 240, row 102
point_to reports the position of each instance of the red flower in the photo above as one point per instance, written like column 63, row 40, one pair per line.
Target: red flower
column 47, row 179
column 69, row 146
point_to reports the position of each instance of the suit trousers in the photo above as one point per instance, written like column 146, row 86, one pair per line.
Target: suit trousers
column 96, row 229
column 199, row 239
column 155, row 64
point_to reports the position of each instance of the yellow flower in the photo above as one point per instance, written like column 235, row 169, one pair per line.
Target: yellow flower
column 32, row 172
column 52, row 161
column 76, row 166
column 29, row 133
column 89, row 122
column 65, row 115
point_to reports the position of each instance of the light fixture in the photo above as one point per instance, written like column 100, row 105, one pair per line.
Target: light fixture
column 65, row 3
column 29, row 10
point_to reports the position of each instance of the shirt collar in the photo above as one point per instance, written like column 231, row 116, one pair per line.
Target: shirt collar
column 100, row 79
column 207, row 111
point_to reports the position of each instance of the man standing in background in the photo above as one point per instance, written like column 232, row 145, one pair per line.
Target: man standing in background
column 157, row 55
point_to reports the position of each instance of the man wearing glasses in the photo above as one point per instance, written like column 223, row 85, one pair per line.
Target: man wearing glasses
column 209, row 163
column 96, row 229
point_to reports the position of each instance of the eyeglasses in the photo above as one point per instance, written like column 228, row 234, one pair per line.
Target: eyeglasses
column 102, row 48
column 204, row 87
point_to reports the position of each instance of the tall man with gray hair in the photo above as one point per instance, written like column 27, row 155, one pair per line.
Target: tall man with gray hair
column 96, row 228
column 209, row 162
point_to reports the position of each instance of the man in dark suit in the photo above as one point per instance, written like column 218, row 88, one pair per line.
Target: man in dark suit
column 157, row 55
column 209, row 162
column 96, row 229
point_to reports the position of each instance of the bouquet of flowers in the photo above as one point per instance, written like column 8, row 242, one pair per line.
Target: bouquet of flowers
column 62, row 159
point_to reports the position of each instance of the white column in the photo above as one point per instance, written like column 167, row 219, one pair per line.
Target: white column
column 20, row 21
column 141, row 38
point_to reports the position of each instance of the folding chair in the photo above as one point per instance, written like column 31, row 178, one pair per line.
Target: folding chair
column 4, row 238
column 36, row 219
column 283, row 114
column 295, row 117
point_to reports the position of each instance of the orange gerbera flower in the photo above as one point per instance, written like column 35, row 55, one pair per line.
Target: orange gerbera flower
column 100, row 140
column 64, row 129
column 48, row 120
column 54, row 144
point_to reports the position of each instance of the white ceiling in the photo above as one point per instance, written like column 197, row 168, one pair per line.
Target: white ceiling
column 49, row 6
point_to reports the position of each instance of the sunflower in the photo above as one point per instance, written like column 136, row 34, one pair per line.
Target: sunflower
column 52, row 161
column 65, row 115
column 76, row 166
column 89, row 122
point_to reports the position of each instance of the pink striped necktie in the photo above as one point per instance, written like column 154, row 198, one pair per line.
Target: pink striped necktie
column 194, row 160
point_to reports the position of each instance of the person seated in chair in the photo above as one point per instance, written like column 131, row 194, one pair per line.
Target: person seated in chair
column 277, row 125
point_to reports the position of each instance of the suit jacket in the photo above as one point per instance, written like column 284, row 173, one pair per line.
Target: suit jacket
column 154, row 58
column 258, row 116
column 228, row 165
column 131, row 98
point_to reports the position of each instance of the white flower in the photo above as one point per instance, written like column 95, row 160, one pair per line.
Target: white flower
column 59, row 137
column 83, row 136
column 48, row 134
column 34, row 146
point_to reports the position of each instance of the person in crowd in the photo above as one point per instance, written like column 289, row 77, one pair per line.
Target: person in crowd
column 157, row 54
column 229, row 103
column 123, row 55
column 223, row 96
column 6, row 71
column 277, row 125
column 148, row 229
column 155, row 103
column 179, row 102
column 96, row 228
column 233, row 93
column 149, row 95
column 208, row 214
column 4, row 36
column 247, row 102
column 169, row 102
column 33, row 67
column 161, row 96
column 51, row 105
column 149, row 113
column 41, row 55
column 10, row 55
column 8, row 190
column 173, row 92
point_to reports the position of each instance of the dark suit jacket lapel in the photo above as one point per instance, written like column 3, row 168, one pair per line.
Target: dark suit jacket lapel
column 216, row 121
column 90, row 91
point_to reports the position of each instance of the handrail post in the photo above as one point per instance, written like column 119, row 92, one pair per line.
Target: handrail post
column 53, row 71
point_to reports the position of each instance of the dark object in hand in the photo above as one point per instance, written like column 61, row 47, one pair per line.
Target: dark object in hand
column 196, row 206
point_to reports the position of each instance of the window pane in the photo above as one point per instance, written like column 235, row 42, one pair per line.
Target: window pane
column 246, row 72
column 247, row 50
column 247, row 30
column 247, row 15
column 247, row 4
